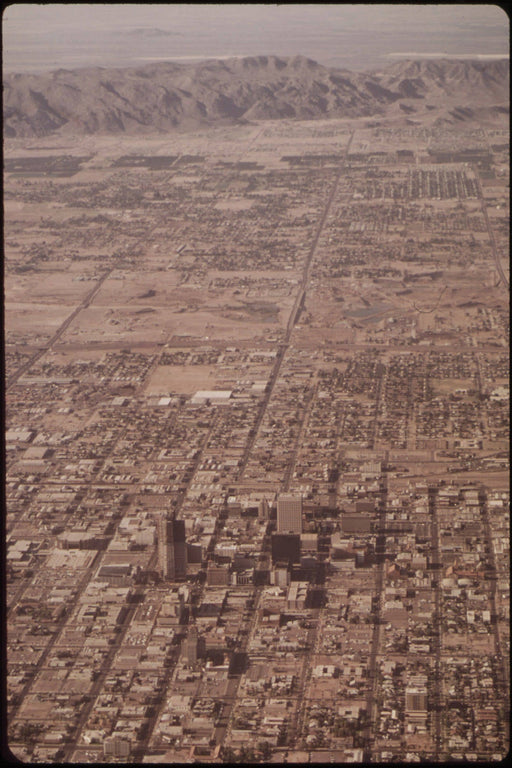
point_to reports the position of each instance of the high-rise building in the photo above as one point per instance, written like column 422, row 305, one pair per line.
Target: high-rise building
column 172, row 548
column 285, row 547
column 289, row 513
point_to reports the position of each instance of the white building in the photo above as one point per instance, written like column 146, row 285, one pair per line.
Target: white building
column 214, row 397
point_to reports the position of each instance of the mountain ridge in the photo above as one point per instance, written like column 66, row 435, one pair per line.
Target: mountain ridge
column 168, row 96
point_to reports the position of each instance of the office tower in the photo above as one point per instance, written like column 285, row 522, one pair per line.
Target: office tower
column 289, row 513
column 172, row 548
column 285, row 547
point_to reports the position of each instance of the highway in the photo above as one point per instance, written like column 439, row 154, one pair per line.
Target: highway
column 294, row 316
column 168, row 673
column 436, row 691
column 82, row 584
column 304, row 677
column 300, row 434
column 98, row 685
column 13, row 378
column 223, row 729
column 380, row 548
column 503, row 666
column 490, row 233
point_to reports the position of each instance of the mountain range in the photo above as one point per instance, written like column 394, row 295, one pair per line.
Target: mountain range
column 168, row 96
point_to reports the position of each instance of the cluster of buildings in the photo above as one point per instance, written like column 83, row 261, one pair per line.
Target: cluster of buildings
column 278, row 531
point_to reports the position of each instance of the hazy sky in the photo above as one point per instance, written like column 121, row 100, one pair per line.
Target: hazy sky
column 356, row 36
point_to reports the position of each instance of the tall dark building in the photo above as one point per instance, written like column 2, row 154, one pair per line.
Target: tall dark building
column 286, row 547
column 172, row 548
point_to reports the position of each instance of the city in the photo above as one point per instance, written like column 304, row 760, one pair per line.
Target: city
column 257, row 398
